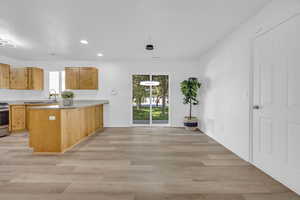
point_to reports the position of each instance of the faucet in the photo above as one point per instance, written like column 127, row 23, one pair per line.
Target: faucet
column 53, row 94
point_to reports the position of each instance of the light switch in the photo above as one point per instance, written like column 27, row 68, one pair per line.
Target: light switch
column 52, row 117
column 114, row 92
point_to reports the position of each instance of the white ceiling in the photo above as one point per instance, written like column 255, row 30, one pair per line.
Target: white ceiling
column 180, row 29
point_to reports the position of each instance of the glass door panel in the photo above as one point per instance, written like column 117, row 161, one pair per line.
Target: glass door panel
column 140, row 100
column 160, row 99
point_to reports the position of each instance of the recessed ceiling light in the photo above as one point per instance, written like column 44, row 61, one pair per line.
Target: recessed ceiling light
column 84, row 42
column 100, row 54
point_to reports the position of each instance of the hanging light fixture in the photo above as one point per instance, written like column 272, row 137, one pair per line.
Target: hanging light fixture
column 149, row 45
column 149, row 83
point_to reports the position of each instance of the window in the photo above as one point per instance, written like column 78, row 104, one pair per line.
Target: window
column 57, row 81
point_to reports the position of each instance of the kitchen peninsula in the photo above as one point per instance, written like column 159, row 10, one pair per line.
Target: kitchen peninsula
column 57, row 128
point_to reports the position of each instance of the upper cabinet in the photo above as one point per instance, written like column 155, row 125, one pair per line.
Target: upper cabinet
column 35, row 78
column 88, row 78
column 72, row 78
column 27, row 78
column 81, row 78
column 19, row 78
column 4, row 76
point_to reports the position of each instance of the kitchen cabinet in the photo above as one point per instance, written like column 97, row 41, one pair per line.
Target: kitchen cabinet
column 99, row 117
column 88, row 120
column 88, row 78
column 27, row 78
column 65, row 129
column 81, row 78
column 35, row 78
column 27, row 106
column 17, row 118
column 4, row 76
column 19, row 78
column 72, row 78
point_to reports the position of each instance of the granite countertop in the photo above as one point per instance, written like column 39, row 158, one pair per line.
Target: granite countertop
column 76, row 104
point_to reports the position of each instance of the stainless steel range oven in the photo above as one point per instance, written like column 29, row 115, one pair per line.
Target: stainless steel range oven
column 4, row 119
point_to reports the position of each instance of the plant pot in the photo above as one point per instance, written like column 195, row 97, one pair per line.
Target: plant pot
column 68, row 101
column 191, row 124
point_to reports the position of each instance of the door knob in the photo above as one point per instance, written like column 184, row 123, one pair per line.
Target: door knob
column 256, row 107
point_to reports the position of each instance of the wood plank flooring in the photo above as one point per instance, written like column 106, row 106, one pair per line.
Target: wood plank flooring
column 134, row 164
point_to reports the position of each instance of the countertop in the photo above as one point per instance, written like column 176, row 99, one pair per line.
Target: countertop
column 77, row 103
column 26, row 102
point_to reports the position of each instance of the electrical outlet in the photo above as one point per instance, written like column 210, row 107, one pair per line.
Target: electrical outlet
column 52, row 117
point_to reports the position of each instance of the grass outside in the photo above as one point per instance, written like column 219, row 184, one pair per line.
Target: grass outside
column 144, row 113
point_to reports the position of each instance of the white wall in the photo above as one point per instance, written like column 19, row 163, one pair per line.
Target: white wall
column 117, row 75
column 226, row 73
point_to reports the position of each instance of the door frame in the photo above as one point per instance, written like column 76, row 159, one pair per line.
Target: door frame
column 258, row 34
column 131, row 101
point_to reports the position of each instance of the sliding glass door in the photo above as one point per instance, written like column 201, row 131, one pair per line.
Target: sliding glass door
column 150, row 99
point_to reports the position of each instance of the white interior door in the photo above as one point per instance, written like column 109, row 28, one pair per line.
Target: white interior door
column 276, row 115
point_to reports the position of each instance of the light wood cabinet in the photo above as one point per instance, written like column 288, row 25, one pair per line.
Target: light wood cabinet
column 19, row 78
column 88, row 79
column 72, row 78
column 27, row 106
column 99, row 117
column 35, row 78
column 27, row 78
column 67, row 127
column 71, row 133
column 4, row 76
column 88, row 120
column 17, row 118
column 81, row 78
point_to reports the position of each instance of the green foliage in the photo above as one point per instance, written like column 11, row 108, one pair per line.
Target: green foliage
column 189, row 89
column 160, row 92
column 143, row 113
column 67, row 94
column 140, row 92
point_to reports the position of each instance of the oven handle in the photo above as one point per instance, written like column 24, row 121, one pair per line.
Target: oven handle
column 4, row 110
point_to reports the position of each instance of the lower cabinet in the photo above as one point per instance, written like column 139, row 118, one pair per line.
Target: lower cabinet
column 99, row 117
column 79, row 123
column 17, row 118
column 57, row 130
column 92, row 119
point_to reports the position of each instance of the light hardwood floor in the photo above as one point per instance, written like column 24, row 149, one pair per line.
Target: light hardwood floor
column 134, row 164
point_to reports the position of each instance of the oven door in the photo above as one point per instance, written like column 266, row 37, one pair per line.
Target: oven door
column 4, row 118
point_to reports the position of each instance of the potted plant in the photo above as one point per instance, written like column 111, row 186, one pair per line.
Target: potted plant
column 189, row 89
column 67, row 97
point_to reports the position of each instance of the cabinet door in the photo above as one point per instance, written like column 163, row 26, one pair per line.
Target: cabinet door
column 99, row 117
column 18, row 118
column 101, row 124
column 19, row 78
column 35, row 78
column 72, row 78
column 4, row 76
column 88, row 78
column 91, row 119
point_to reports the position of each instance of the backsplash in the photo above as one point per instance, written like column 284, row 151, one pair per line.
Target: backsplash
column 6, row 94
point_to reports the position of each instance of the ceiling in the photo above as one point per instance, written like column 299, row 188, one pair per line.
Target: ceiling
column 179, row 29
